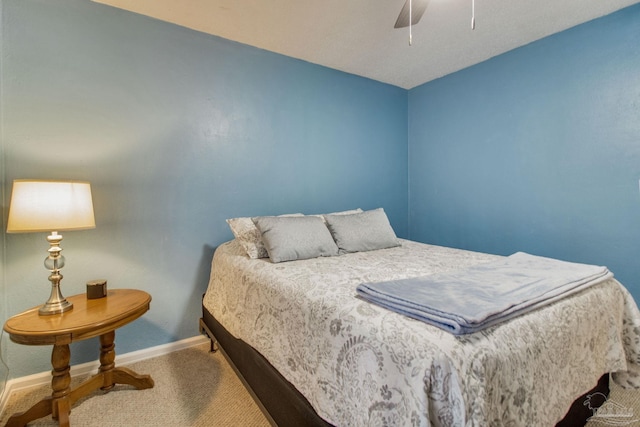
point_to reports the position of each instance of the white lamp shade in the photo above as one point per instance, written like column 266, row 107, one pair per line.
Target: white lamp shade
column 38, row 205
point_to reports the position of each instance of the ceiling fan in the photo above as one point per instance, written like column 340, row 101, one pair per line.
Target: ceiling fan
column 411, row 13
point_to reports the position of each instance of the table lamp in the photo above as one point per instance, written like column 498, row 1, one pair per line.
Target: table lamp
column 51, row 206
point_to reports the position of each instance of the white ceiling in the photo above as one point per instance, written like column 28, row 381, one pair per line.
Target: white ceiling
column 357, row 36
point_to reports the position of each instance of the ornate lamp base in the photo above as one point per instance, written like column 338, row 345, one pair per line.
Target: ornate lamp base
column 55, row 307
column 54, row 262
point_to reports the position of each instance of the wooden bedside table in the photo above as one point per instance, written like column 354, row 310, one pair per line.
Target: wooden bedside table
column 87, row 319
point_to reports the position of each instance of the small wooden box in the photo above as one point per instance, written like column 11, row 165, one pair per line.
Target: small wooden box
column 96, row 289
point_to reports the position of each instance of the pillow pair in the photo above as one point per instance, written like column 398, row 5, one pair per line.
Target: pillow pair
column 250, row 238
column 303, row 237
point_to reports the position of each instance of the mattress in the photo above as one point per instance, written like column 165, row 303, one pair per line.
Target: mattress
column 360, row 364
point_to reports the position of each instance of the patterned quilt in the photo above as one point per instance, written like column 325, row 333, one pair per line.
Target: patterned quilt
column 362, row 365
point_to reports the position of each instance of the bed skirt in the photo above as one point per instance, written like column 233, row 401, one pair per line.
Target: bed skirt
column 287, row 407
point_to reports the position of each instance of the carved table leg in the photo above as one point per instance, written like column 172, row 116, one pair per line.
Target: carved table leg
column 112, row 375
column 62, row 398
column 61, row 381
column 39, row 410
column 58, row 404
column 107, row 359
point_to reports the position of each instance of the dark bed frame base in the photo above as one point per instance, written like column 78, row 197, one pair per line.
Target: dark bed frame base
column 285, row 406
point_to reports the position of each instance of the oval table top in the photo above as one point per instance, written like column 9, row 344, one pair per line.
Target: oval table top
column 88, row 318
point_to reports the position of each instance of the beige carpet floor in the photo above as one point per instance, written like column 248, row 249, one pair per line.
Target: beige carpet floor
column 192, row 388
column 196, row 388
column 622, row 408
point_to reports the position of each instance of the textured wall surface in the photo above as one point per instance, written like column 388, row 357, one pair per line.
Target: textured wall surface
column 3, row 301
column 176, row 131
column 536, row 150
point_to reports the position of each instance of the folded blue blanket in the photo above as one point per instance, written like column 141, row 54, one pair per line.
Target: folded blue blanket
column 471, row 299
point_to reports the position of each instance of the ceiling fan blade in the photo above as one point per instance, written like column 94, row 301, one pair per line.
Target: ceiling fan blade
column 417, row 10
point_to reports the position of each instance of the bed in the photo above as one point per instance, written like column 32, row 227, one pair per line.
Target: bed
column 313, row 353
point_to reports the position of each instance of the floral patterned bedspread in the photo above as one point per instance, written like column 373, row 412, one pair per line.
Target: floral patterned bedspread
column 361, row 365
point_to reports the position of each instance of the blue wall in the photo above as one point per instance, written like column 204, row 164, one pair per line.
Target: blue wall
column 536, row 150
column 177, row 131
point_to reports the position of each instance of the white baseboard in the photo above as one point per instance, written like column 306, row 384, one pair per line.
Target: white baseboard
column 43, row 378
